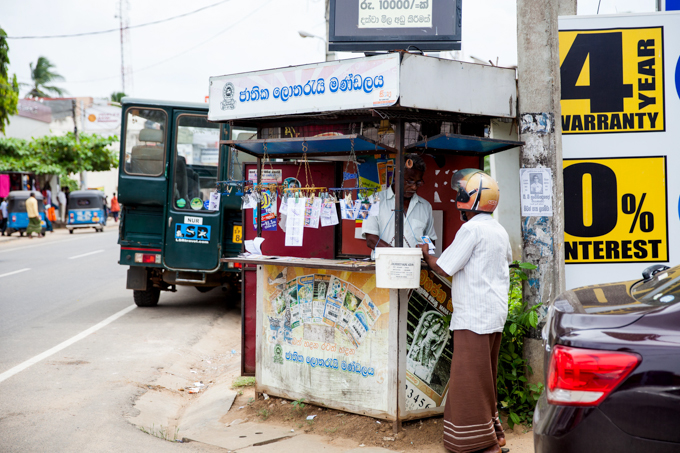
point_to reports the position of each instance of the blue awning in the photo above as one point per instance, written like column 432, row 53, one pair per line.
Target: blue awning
column 464, row 144
column 334, row 145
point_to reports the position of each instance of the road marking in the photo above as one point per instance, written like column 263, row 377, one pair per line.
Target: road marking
column 15, row 272
column 21, row 367
column 86, row 254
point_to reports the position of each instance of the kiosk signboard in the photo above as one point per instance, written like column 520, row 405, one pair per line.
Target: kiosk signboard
column 621, row 126
column 322, row 87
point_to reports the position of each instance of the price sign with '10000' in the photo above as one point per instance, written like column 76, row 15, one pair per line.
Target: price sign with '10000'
column 395, row 14
column 615, row 210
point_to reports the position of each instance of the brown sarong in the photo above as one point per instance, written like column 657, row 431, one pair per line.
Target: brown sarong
column 471, row 403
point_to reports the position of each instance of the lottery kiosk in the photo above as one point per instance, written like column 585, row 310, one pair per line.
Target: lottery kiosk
column 316, row 147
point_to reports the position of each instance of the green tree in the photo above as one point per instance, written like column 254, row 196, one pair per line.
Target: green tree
column 117, row 96
column 42, row 74
column 58, row 155
column 9, row 89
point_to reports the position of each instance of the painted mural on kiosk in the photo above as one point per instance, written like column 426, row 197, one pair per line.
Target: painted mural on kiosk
column 325, row 333
column 429, row 342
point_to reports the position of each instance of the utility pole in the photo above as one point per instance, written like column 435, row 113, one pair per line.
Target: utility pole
column 539, row 94
column 83, row 174
column 330, row 56
column 122, row 46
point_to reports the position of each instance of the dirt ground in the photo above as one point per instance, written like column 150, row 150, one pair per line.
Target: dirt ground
column 421, row 435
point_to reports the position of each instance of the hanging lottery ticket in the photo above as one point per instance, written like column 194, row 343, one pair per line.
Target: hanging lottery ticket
column 347, row 210
column 329, row 215
column 295, row 222
column 312, row 212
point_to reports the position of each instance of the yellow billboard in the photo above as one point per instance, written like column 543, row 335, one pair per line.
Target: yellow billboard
column 612, row 80
column 615, row 210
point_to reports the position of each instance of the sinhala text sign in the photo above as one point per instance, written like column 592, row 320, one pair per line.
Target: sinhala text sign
column 321, row 87
column 621, row 129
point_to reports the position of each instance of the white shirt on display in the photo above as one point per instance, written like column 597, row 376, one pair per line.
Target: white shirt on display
column 479, row 259
column 417, row 223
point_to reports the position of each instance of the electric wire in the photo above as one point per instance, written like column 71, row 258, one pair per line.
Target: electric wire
column 117, row 30
column 183, row 52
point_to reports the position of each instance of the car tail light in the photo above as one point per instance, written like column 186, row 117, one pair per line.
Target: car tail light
column 585, row 377
column 147, row 258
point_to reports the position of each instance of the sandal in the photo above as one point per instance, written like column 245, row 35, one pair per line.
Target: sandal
column 500, row 434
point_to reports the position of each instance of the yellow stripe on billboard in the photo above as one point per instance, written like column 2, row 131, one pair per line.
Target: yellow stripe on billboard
column 612, row 80
column 615, row 210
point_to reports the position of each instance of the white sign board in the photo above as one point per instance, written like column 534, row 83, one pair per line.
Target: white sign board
column 536, row 186
column 322, row 87
column 102, row 118
column 620, row 134
column 395, row 14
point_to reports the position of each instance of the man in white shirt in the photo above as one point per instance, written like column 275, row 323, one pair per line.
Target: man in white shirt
column 478, row 260
column 61, row 197
column 418, row 221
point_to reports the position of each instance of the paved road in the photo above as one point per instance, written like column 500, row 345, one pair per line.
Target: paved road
column 52, row 291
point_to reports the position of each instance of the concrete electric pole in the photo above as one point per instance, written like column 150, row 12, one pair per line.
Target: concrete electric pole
column 539, row 94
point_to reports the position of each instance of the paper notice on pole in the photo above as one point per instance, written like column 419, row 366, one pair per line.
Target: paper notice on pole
column 329, row 215
column 295, row 222
column 537, row 192
column 214, row 203
column 249, row 202
column 312, row 212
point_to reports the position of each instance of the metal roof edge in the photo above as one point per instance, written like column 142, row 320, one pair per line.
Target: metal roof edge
column 160, row 103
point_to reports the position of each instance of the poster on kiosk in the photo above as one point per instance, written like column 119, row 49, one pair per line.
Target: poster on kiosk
column 621, row 129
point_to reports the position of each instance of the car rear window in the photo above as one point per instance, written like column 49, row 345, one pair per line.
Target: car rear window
column 662, row 289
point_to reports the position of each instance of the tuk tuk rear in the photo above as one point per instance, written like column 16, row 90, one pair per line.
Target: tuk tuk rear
column 86, row 209
column 16, row 210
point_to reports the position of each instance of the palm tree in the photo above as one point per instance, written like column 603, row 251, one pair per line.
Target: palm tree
column 116, row 96
column 42, row 74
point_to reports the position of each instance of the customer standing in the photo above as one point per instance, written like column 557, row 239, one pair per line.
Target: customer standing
column 3, row 215
column 115, row 207
column 34, row 223
column 478, row 259
column 61, row 197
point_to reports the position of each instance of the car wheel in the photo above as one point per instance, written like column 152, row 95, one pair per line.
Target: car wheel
column 204, row 289
column 148, row 298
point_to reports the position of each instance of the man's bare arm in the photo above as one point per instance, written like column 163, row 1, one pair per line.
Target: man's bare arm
column 372, row 241
column 431, row 261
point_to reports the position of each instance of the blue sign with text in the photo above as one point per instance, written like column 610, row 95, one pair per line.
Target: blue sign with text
column 196, row 234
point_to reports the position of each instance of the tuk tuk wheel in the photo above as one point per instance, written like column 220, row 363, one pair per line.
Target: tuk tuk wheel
column 21, row 233
column 204, row 289
column 148, row 298
column 70, row 231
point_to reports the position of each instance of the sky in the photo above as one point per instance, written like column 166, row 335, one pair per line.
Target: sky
column 173, row 60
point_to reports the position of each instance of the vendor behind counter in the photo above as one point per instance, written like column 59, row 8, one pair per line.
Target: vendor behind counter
column 379, row 231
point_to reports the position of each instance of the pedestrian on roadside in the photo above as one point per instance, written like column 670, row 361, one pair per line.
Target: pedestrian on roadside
column 478, row 260
column 3, row 215
column 61, row 197
column 115, row 207
column 34, row 223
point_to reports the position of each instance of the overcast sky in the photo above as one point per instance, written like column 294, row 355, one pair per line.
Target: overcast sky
column 173, row 60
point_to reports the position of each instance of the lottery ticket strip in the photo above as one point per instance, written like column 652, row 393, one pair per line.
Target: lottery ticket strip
column 323, row 330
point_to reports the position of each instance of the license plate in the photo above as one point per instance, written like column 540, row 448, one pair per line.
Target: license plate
column 237, row 236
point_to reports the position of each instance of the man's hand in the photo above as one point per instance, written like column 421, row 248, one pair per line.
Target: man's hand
column 431, row 260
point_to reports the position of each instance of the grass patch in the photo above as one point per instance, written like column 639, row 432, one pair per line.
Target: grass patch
column 264, row 414
column 243, row 381
column 161, row 432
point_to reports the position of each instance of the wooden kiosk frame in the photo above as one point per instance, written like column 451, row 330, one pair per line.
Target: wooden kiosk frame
column 374, row 373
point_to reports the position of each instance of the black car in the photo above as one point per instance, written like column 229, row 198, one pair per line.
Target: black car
column 612, row 368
